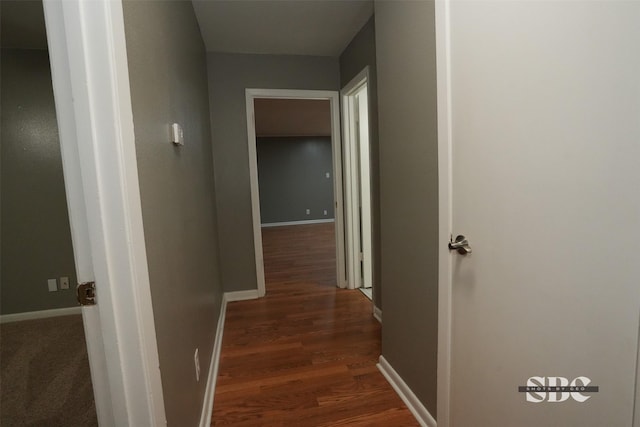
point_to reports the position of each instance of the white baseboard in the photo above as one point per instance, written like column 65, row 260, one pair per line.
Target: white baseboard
column 309, row 221
column 42, row 314
column 377, row 313
column 241, row 295
column 207, row 407
column 418, row 410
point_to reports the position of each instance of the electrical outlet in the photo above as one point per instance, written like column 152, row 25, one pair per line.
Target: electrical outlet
column 196, row 361
column 325, row 212
column 308, row 211
column 64, row 283
column 52, row 284
column 328, row 175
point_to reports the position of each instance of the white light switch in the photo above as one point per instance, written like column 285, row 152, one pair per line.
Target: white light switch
column 328, row 175
column 325, row 211
column 177, row 136
column 52, row 284
column 64, row 283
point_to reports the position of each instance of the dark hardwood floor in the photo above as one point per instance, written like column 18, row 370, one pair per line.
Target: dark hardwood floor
column 306, row 353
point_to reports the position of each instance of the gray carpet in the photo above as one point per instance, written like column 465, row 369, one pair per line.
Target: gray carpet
column 44, row 374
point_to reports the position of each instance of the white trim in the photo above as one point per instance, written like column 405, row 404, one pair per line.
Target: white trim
column 351, row 205
column 41, row 314
column 377, row 313
column 207, row 407
column 255, row 193
column 241, row 295
column 62, row 87
column 355, row 83
column 363, row 155
column 227, row 297
column 353, row 184
column 63, row 95
column 105, row 146
column 445, row 298
column 332, row 96
column 422, row 415
column 305, row 222
column 636, row 400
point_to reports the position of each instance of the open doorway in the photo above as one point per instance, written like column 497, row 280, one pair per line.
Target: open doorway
column 357, row 176
column 43, row 346
column 295, row 179
column 287, row 207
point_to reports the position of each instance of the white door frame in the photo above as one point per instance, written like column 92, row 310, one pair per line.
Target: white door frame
column 445, row 210
column 354, row 160
column 93, row 103
column 636, row 408
column 332, row 97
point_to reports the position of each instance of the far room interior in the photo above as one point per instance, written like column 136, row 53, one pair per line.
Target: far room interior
column 295, row 175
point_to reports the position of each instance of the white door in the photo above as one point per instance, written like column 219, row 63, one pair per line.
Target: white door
column 545, row 130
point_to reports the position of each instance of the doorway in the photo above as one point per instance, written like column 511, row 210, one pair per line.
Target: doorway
column 252, row 95
column 295, row 177
column 357, row 176
column 93, row 108
column 43, row 335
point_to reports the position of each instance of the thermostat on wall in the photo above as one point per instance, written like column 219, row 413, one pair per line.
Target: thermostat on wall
column 177, row 137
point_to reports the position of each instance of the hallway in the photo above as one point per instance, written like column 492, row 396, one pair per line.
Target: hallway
column 306, row 353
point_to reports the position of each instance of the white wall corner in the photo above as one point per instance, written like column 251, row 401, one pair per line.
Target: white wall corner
column 377, row 313
column 422, row 415
column 241, row 295
column 207, row 404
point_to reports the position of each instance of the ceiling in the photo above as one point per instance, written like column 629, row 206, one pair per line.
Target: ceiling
column 292, row 117
column 291, row 27
column 22, row 24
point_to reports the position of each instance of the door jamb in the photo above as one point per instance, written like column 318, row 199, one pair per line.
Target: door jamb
column 352, row 179
column 445, row 144
column 61, row 80
column 336, row 149
column 636, row 406
column 90, row 77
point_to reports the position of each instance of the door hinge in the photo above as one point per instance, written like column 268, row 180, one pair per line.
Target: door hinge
column 86, row 293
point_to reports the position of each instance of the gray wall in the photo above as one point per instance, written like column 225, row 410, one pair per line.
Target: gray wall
column 405, row 43
column 229, row 76
column 167, row 69
column 36, row 239
column 360, row 53
column 292, row 178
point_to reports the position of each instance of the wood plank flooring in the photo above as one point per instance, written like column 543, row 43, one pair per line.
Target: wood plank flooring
column 306, row 353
